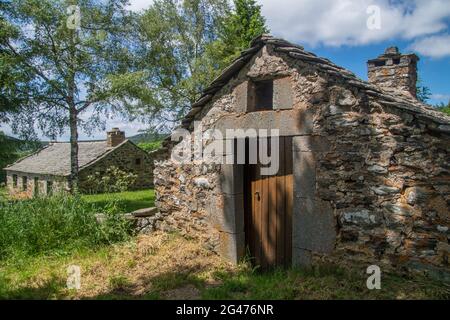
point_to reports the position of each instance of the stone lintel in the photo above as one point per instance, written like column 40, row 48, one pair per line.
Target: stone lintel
column 288, row 122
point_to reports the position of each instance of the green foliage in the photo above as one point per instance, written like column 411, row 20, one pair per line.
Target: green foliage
column 150, row 146
column 113, row 180
column 56, row 225
column 318, row 283
column 3, row 192
column 148, row 136
column 50, row 62
column 423, row 92
column 176, row 35
column 241, row 27
column 60, row 58
column 186, row 45
column 13, row 149
column 444, row 108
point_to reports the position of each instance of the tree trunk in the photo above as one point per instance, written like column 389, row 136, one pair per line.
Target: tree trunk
column 73, row 123
column 73, row 118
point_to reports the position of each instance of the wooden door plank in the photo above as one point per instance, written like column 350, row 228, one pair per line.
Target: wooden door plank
column 248, row 207
column 289, row 187
column 281, row 209
column 265, row 221
column 257, row 216
column 272, row 220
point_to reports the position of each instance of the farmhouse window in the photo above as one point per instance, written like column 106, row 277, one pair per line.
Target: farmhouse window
column 15, row 180
column 49, row 187
column 24, row 183
column 275, row 94
column 138, row 162
column 36, row 186
column 260, row 95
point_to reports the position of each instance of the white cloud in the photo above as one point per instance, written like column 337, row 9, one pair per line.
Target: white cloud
column 434, row 46
column 344, row 22
column 130, row 128
column 137, row 5
column 440, row 97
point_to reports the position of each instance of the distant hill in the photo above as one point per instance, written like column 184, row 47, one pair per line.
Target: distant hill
column 147, row 137
column 148, row 141
column 12, row 149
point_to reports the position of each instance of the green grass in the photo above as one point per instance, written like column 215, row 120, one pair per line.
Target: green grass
column 322, row 282
column 128, row 201
column 40, row 238
column 56, row 225
column 126, row 271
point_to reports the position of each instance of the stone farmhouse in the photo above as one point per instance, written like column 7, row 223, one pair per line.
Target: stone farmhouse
column 47, row 170
column 364, row 166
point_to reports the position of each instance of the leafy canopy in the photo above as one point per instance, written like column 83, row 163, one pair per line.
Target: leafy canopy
column 177, row 37
column 185, row 45
column 55, row 64
column 241, row 27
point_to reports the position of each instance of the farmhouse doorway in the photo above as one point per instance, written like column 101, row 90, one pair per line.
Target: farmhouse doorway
column 268, row 207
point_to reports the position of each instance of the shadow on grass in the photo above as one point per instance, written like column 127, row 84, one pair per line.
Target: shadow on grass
column 53, row 288
column 322, row 283
column 317, row 283
column 180, row 283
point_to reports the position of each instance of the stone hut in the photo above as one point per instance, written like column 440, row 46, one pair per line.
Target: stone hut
column 364, row 166
column 47, row 170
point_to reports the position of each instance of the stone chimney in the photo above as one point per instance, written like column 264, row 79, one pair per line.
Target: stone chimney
column 115, row 137
column 394, row 71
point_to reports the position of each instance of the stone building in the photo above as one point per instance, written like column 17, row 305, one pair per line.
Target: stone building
column 47, row 170
column 364, row 166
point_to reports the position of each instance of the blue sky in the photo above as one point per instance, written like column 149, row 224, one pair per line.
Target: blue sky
column 349, row 32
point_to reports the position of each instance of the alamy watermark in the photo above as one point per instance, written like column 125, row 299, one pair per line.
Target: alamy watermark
column 236, row 146
column 374, row 280
column 73, row 277
column 374, row 19
column 73, row 21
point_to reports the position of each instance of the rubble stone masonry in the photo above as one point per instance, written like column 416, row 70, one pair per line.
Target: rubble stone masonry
column 372, row 182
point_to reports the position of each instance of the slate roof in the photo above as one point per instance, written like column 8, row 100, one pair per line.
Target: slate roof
column 54, row 159
column 441, row 121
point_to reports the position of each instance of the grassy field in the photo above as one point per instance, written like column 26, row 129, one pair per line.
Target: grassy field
column 167, row 266
column 49, row 235
column 129, row 200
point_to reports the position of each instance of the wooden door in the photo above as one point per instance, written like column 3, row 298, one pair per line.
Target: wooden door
column 268, row 211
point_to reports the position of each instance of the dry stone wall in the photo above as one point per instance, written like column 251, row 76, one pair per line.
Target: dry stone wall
column 124, row 158
column 46, row 184
column 372, row 182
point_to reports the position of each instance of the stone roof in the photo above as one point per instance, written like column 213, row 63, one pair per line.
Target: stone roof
column 54, row 159
column 441, row 121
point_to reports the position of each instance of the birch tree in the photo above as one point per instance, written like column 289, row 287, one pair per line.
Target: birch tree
column 62, row 58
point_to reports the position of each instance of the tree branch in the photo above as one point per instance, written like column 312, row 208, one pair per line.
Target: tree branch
column 36, row 70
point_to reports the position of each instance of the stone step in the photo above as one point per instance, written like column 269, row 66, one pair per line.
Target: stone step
column 141, row 213
column 146, row 212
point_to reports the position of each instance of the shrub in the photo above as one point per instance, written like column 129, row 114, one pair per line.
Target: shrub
column 56, row 224
column 150, row 146
column 114, row 180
